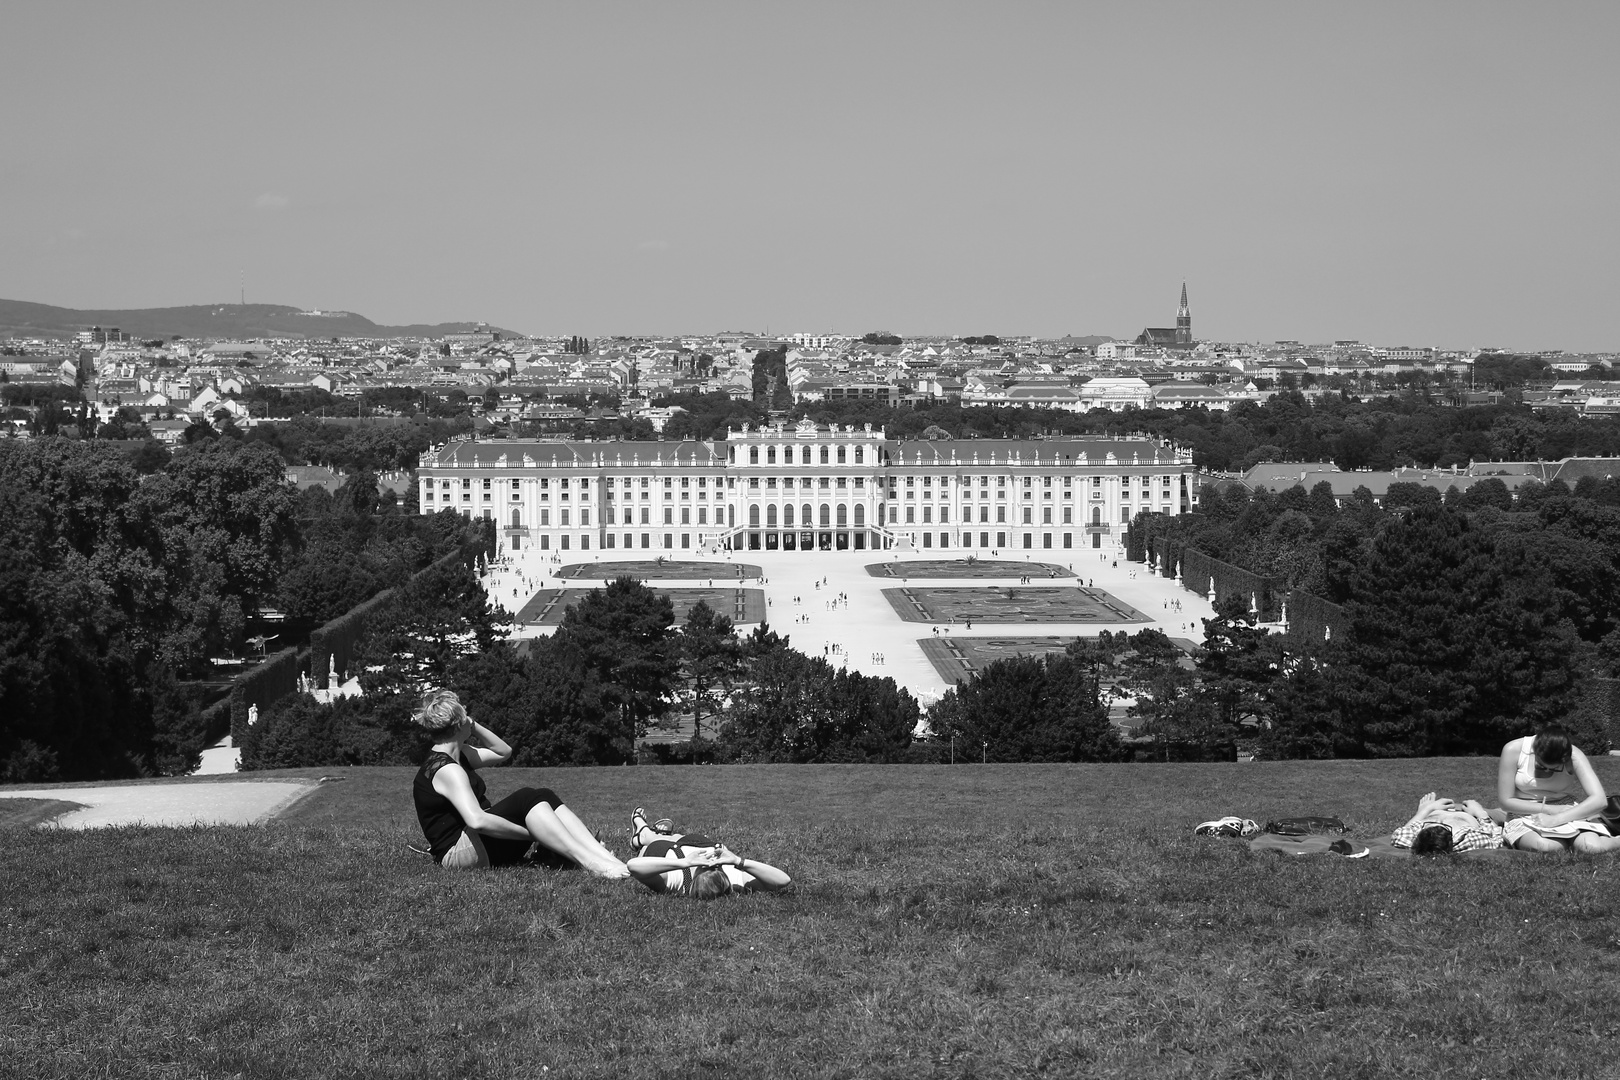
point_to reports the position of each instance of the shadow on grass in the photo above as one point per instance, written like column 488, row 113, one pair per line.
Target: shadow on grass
column 22, row 813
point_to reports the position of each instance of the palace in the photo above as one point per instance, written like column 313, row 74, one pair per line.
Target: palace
column 807, row 488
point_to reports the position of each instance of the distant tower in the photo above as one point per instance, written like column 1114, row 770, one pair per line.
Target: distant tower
column 1184, row 320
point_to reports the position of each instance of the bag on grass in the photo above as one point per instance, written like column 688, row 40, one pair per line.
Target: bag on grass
column 1305, row 826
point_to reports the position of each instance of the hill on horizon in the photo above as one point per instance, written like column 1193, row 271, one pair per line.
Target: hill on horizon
column 221, row 322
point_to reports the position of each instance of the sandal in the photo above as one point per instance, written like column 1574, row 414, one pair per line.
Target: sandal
column 638, row 824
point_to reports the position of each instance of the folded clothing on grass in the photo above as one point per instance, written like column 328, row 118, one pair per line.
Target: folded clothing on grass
column 1306, row 826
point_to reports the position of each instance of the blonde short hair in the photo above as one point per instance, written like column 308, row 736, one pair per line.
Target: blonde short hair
column 710, row 882
column 440, row 712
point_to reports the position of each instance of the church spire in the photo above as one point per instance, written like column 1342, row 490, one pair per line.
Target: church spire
column 1184, row 320
column 1182, row 312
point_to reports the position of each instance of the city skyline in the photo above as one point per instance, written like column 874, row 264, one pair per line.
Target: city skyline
column 1392, row 175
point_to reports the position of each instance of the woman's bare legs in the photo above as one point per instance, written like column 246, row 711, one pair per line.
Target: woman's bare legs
column 551, row 828
column 577, row 829
column 1532, row 841
column 1588, row 843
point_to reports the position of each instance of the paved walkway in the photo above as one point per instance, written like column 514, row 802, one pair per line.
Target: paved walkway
column 236, row 802
column 863, row 632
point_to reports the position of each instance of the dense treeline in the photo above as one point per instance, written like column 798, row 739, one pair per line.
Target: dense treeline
column 118, row 586
column 584, row 695
column 113, row 587
column 354, row 543
column 375, row 447
column 1470, row 617
column 1412, row 429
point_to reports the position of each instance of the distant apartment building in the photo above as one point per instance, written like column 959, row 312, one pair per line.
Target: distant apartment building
column 807, row 488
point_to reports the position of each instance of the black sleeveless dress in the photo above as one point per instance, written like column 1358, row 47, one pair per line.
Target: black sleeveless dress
column 440, row 821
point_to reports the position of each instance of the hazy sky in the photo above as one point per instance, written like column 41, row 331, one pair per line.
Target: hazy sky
column 1403, row 173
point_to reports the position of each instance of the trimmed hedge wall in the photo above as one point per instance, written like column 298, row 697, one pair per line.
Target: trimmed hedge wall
column 1198, row 570
column 337, row 639
column 277, row 676
column 333, row 644
column 264, row 685
column 1310, row 617
column 216, row 721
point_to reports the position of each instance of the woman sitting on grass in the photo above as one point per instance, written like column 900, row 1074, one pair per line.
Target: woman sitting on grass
column 1550, row 784
column 463, row 830
column 1442, row 826
column 689, row 864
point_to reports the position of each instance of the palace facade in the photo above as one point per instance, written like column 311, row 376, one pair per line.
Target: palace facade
column 807, row 488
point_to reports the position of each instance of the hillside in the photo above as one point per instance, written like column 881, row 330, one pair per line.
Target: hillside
column 220, row 322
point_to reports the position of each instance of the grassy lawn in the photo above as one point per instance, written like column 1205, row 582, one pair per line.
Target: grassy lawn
column 21, row 813
column 977, row 921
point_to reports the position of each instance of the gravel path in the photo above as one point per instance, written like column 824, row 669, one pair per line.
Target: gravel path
column 241, row 802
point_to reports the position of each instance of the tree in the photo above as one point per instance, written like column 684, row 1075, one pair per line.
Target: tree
column 1460, row 644
column 796, row 708
column 621, row 634
column 1164, row 688
column 1031, row 708
column 711, row 658
column 1307, row 716
column 1237, row 667
column 438, row 620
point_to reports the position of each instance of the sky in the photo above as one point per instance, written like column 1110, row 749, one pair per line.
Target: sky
column 1421, row 174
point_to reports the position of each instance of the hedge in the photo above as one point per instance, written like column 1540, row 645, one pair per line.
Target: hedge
column 1198, row 570
column 331, row 646
column 264, row 685
column 216, row 720
column 1310, row 617
column 338, row 638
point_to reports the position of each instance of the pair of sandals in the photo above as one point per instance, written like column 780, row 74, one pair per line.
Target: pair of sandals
column 638, row 825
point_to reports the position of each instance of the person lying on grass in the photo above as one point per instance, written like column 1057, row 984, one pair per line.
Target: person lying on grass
column 1442, row 826
column 1548, row 783
column 463, row 830
column 690, row 864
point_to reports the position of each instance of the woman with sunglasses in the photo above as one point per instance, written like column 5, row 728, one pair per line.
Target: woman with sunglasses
column 1554, row 799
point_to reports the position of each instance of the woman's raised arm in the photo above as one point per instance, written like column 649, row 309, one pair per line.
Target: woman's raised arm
column 488, row 747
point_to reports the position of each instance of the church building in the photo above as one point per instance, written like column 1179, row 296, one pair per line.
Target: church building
column 1165, row 337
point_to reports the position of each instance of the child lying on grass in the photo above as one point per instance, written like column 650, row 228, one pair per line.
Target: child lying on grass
column 689, row 864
